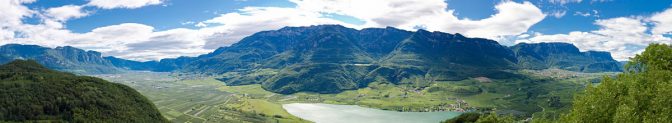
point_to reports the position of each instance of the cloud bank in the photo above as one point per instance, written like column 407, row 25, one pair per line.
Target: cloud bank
column 129, row 4
column 623, row 36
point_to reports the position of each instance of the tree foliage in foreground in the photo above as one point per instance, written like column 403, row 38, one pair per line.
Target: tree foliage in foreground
column 469, row 117
column 643, row 93
column 30, row 92
column 473, row 117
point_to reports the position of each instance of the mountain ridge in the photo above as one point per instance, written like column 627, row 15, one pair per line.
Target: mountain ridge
column 564, row 56
column 64, row 58
column 333, row 58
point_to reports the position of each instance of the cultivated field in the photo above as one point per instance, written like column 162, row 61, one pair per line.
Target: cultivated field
column 199, row 101
column 202, row 99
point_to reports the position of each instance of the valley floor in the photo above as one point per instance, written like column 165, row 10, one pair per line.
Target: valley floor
column 198, row 101
column 543, row 93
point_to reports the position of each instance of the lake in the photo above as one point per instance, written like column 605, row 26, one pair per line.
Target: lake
column 329, row 113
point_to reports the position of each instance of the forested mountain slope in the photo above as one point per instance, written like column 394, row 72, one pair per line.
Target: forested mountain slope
column 30, row 92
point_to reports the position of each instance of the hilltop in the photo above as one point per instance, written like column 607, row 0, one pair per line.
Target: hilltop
column 30, row 92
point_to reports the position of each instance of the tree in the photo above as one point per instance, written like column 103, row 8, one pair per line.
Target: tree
column 643, row 93
column 469, row 117
column 495, row 118
column 29, row 92
column 474, row 117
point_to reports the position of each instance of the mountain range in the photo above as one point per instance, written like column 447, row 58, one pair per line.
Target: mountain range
column 333, row 58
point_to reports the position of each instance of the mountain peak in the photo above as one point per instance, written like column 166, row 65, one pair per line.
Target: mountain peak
column 548, row 47
column 458, row 35
column 600, row 55
column 554, row 44
column 564, row 56
column 422, row 31
column 389, row 27
column 312, row 27
column 65, row 47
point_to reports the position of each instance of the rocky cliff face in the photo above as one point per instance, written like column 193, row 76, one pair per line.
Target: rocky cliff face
column 61, row 58
column 563, row 56
column 332, row 58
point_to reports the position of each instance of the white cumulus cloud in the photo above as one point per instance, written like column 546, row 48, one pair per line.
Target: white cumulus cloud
column 66, row 12
column 558, row 14
column 237, row 25
column 127, row 40
column 562, row 2
column 129, row 4
column 663, row 22
column 623, row 37
column 512, row 18
column 11, row 13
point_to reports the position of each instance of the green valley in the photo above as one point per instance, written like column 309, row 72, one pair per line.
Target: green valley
column 418, row 71
column 202, row 100
column 209, row 100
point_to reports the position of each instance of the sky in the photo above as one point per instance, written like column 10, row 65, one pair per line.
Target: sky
column 154, row 29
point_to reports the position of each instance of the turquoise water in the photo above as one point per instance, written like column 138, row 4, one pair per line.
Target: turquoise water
column 329, row 113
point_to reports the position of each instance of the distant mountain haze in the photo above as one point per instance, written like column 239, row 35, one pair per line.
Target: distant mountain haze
column 563, row 56
column 60, row 58
column 333, row 58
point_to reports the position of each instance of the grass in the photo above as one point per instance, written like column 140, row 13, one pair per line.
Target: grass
column 265, row 108
column 486, row 100
column 253, row 90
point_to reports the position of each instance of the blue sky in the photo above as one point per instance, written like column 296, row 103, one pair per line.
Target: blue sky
column 119, row 27
column 173, row 13
column 168, row 15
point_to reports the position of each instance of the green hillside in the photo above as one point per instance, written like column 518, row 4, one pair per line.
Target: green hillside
column 333, row 59
column 30, row 92
column 641, row 94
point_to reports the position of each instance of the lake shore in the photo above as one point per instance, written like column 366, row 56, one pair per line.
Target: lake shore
column 331, row 113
